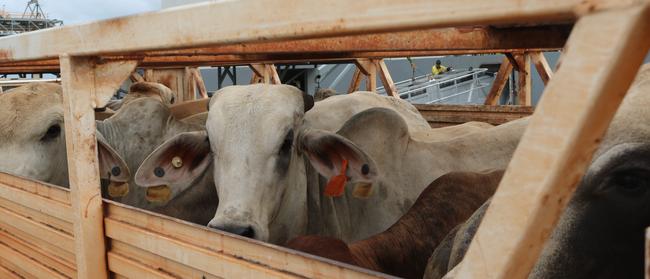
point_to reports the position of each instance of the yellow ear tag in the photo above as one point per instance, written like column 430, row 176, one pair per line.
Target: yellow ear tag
column 118, row 189
column 362, row 190
column 158, row 193
column 336, row 185
column 177, row 162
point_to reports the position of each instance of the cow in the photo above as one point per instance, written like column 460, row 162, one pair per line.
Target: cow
column 324, row 93
column 266, row 158
column 601, row 233
column 404, row 248
column 32, row 141
column 144, row 89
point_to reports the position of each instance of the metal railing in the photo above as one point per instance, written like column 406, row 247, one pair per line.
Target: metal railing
column 425, row 89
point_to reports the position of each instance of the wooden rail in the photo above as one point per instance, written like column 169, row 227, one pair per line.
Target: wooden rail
column 446, row 115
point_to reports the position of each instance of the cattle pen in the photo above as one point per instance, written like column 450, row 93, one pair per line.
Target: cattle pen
column 51, row 232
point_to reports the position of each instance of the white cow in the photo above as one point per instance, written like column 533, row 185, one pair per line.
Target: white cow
column 32, row 142
column 266, row 160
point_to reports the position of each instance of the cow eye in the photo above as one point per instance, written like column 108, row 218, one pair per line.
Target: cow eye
column 287, row 143
column 632, row 182
column 52, row 132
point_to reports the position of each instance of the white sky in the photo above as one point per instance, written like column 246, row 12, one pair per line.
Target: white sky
column 79, row 11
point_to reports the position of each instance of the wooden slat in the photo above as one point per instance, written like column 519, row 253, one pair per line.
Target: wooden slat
column 79, row 84
column 187, row 254
column 132, row 269
column 524, row 83
column 156, row 262
column 34, row 252
column 38, row 216
column 27, row 264
column 15, row 269
column 248, row 22
column 42, row 189
column 255, row 251
column 49, row 247
column 8, row 274
column 36, row 202
column 446, row 115
column 541, row 65
column 38, row 230
column 499, row 82
column 557, row 147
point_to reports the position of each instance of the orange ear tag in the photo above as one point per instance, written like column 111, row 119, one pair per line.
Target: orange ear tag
column 336, row 185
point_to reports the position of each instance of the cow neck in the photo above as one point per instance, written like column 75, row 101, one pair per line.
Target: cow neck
column 404, row 249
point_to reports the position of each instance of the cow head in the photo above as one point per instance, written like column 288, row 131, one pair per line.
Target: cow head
column 32, row 139
column 602, row 232
column 260, row 150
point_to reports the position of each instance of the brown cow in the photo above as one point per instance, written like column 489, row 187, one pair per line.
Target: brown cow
column 403, row 249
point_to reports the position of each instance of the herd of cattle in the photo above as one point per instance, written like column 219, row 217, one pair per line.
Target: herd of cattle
column 258, row 162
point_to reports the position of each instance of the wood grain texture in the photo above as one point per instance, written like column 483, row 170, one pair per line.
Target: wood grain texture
column 555, row 150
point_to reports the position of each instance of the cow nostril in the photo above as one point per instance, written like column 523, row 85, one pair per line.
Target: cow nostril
column 245, row 231
column 248, row 232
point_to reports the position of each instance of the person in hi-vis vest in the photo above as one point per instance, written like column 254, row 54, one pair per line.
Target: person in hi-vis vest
column 438, row 69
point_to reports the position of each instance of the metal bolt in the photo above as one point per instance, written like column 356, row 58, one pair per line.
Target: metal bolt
column 177, row 162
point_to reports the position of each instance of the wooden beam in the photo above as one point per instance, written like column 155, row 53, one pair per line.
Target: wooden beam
column 524, row 83
column 273, row 72
column 356, row 80
column 513, row 61
column 445, row 115
column 499, row 82
column 197, row 78
column 558, row 145
column 135, row 77
column 336, row 18
column 86, row 86
column 386, row 79
column 543, row 69
column 368, row 67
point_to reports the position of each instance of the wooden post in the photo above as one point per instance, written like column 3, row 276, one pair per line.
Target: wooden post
column 499, row 82
column 273, row 74
column 356, row 80
column 197, row 78
column 524, row 90
column 571, row 118
column 87, row 85
column 135, row 77
column 260, row 71
column 369, row 68
column 544, row 70
column 189, row 86
column 386, row 79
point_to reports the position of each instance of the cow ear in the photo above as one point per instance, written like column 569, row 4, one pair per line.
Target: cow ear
column 174, row 165
column 112, row 168
column 111, row 164
column 336, row 157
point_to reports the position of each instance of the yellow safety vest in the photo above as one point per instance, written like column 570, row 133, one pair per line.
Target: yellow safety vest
column 435, row 71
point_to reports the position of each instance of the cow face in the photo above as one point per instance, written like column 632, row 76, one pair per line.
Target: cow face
column 259, row 148
column 32, row 142
column 601, row 235
column 32, row 138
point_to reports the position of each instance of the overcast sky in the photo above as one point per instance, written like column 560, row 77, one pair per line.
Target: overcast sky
column 79, row 11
